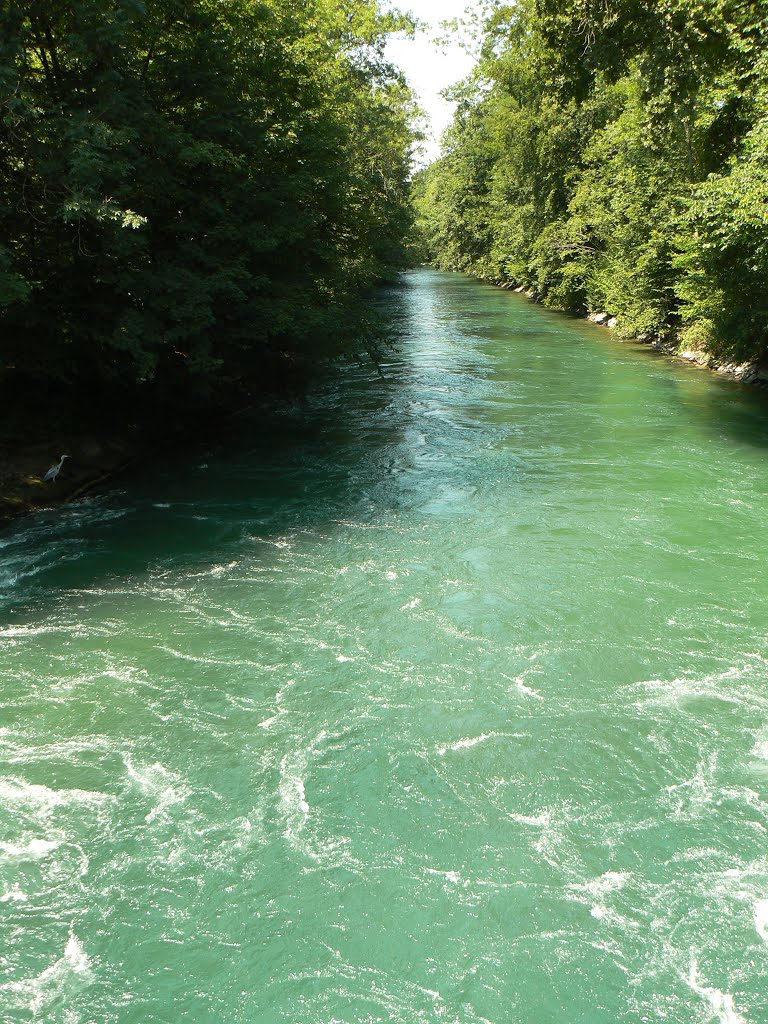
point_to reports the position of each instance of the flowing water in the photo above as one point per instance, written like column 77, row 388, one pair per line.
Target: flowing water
column 440, row 698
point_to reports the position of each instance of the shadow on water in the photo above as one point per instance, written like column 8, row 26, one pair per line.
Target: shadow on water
column 732, row 411
column 724, row 407
column 284, row 470
column 336, row 456
column 729, row 410
column 480, row 370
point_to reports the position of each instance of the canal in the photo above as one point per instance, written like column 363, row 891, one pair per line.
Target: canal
column 440, row 697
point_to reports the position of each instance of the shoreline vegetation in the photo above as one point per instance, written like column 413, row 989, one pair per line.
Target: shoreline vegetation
column 195, row 199
column 613, row 159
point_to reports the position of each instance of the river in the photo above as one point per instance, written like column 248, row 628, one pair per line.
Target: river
column 440, row 698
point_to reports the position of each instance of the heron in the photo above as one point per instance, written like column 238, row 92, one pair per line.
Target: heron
column 54, row 471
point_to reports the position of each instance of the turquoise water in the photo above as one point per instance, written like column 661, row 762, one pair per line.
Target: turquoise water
column 440, row 698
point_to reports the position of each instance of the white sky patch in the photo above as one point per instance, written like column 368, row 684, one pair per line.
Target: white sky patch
column 430, row 68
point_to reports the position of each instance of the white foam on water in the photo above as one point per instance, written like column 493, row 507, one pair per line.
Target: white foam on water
column 67, row 976
column 609, row 881
column 21, row 631
column 293, row 797
column 760, row 911
column 35, row 849
column 721, row 1003
column 298, row 786
column 126, row 674
column 44, row 799
column 467, row 742
column 156, row 781
column 520, row 686
column 14, row 895
column 527, row 691
column 197, row 659
column 450, row 876
column 215, row 571
column 552, row 844
column 691, row 797
column 267, row 723
column 595, row 892
column 324, row 850
column 760, row 748
column 540, row 820
column 25, row 751
column 673, row 692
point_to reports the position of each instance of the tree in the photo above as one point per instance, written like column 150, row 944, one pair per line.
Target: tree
column 191, row 186
column 612, row 156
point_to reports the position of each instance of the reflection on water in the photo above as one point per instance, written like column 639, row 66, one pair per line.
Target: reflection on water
column 442, row 698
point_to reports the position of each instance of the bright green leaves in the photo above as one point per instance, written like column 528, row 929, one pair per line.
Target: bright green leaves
column 614, row 156
column 724, row 253
column 186, row 185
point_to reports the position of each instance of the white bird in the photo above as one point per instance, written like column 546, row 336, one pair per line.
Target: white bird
column 53, row 472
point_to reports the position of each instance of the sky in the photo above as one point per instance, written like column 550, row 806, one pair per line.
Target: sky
column 430, row 69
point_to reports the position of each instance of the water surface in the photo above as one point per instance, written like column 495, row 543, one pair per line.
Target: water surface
column 442, row 698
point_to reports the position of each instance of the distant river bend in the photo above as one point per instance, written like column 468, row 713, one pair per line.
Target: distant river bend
column 443, row 698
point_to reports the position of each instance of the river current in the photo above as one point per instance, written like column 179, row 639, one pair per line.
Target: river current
column 440, row 697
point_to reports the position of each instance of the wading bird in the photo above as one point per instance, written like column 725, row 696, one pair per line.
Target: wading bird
column 53, row 472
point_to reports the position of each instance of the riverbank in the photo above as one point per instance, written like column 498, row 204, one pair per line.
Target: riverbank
column 96, row 455
column 104, row 440
column 91, row 462
column 751, row 373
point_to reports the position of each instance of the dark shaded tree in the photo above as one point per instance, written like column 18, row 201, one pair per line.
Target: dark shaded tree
column 188, row 188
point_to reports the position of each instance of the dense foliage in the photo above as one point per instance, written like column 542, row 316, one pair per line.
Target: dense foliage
column 614, row 156
column 187, row 186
